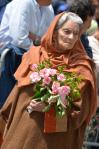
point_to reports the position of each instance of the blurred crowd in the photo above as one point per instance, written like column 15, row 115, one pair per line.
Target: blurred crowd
column 16, row 20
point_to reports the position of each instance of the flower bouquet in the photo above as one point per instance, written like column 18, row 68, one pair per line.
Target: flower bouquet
column 56, row 88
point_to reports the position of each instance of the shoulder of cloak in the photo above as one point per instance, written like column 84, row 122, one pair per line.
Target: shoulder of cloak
column 30, row 57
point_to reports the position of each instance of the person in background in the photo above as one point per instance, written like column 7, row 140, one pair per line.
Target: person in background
column 24, row 23
column 92, row 28
column 62, row 46
column 96, row 4
column 93, row 134
column 60, row 6
column 94, row 43
column 30, row 23
column 3, row 4
column 86, row 11
column 94, row 24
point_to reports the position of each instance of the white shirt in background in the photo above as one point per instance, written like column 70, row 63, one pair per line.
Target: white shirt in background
column 94, row 43
column 22, row 17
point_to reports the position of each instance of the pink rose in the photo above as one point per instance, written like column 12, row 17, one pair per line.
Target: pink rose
column 35, row 77
column 52, row 72
column 64, row 90
column 34, row 66
column 61, row 77
column 63, row 101
column 55, row 87
column 46, row 80
column 44, row 72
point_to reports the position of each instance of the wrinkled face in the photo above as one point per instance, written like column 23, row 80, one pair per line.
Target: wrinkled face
column 87, row 24
column 67, row 36
column 44, row 2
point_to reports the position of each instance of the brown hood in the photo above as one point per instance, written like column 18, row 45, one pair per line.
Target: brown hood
column 47, row 38
column 75, row 59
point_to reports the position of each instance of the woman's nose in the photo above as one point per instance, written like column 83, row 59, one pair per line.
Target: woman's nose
column 71, row 35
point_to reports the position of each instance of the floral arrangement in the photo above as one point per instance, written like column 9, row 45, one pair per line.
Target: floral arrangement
column 55, row 87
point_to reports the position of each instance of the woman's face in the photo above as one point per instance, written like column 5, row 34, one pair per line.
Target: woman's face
column 67, row 35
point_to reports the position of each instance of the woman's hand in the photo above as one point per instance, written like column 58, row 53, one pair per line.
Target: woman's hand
column 35, row 106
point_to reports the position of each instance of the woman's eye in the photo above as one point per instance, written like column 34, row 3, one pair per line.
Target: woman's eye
column 75, row 33
column 67, row 31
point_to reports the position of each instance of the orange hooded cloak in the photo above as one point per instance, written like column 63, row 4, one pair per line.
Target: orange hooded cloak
column 19, row 124
column 75, row 59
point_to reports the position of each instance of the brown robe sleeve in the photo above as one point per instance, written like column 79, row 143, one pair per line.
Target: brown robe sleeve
column 5, row 110
column 81, row 109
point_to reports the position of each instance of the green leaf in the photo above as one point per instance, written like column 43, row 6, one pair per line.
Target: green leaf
column 76, row 94
column 42, row 89
column 60, row 69
column 47, row 108
column 63, row 112
column 45, row 97
column 37, row 94
column 58, row 101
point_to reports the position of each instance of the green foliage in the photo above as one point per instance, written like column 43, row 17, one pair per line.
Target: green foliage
column 44, row 64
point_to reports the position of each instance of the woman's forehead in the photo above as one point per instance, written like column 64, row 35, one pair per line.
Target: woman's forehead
column 70, row 25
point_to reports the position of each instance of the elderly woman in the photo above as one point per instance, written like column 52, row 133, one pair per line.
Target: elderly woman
column 62, row 46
